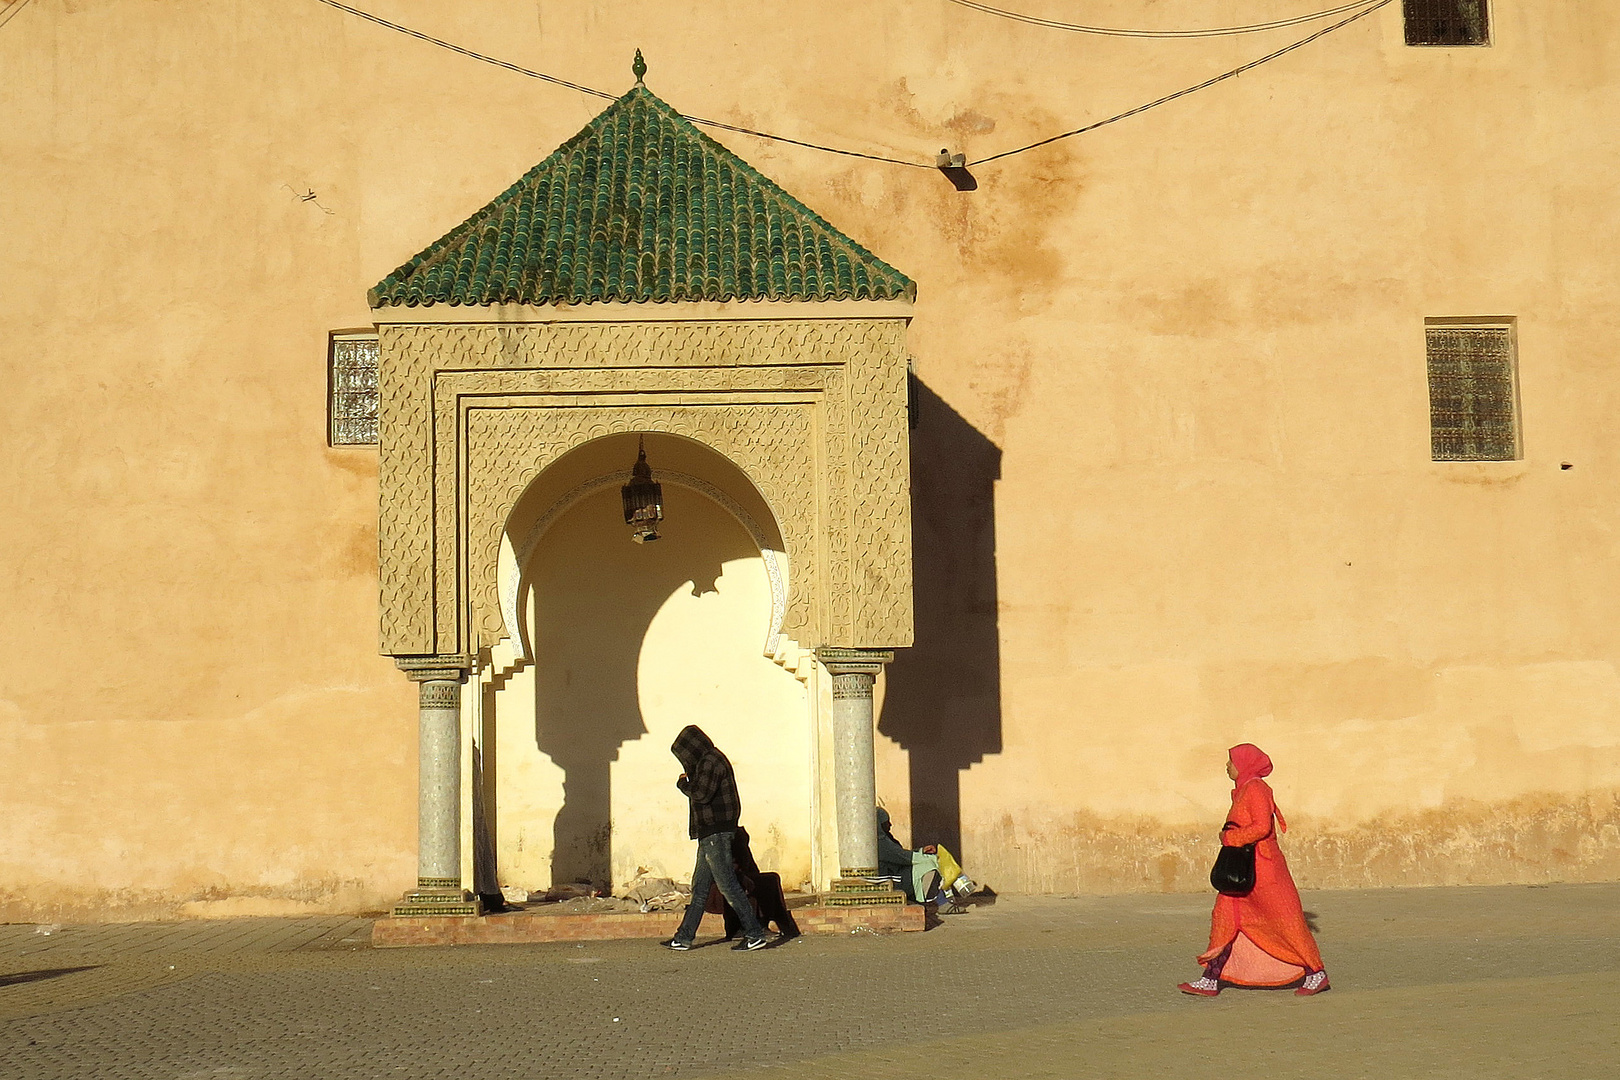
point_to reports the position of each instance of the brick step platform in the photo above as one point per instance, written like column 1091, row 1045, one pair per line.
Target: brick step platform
column 524, row 927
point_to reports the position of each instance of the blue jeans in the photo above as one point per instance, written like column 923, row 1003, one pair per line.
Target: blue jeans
column 714, row 868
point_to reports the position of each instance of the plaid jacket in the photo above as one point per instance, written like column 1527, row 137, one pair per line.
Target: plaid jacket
column 709, row 785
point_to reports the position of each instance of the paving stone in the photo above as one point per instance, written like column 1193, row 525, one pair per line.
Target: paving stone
column 1428, row 983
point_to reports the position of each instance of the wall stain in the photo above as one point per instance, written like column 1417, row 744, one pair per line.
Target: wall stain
column 353, row 551
column 1001, row 237
column 356, row 461
column 1535, row 839
column 323, row 896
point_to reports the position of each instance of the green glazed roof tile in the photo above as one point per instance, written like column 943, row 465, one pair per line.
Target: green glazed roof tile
column 641, row 206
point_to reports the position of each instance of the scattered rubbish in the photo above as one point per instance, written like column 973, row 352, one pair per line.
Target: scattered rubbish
column 515, row 894
column 48, row 929
column 862, row 930
column 615, row 1019
column 570, row 891
column 486, row 980
column 654, row 893
column 597, row 905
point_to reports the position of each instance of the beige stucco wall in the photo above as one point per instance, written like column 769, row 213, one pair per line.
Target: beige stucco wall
column 1175, row 401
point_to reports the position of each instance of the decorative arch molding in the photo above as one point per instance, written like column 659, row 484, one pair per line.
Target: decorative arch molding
column 508, row 449
column 810, row 406
column 512, row 575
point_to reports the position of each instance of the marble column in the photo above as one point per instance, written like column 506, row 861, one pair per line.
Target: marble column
column 438, row 795
column 853, row 673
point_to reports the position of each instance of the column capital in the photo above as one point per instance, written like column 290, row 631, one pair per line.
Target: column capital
column 845, row 661
column 451, row 668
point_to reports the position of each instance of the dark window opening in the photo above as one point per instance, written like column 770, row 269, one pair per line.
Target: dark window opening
column 1448, row 22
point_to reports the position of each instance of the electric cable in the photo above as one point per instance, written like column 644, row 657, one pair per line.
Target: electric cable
column 1111, row 31
column 531, row 73
column 1370, row 7
column 1250, row 66
column 16, row 9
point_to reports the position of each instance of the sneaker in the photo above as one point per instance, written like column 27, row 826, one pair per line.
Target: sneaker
column 949, row 908
column 677, row 945
column 1315, row 983
column 1200, row 987
column 750, row 944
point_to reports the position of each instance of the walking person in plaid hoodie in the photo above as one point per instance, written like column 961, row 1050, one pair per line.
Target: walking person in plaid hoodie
column 711, row 789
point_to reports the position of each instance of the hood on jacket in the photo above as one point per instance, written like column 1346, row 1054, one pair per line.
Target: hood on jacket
column 690, row 746
column 1250, row 762
column 882, row 819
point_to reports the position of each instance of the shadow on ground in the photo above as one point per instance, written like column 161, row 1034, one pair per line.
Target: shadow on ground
column 41, row 975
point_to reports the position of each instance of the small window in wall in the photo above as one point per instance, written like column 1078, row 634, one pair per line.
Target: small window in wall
column 351, row 399
column 1473, row 389
column 1448, row 22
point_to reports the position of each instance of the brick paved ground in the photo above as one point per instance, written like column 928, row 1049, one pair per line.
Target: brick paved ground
column 1486, row 982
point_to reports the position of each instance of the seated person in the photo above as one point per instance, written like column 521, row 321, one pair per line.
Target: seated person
column 916, row 872
column 763, row 889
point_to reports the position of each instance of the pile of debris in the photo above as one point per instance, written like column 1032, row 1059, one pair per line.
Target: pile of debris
column 655, row 893
column 643, row 893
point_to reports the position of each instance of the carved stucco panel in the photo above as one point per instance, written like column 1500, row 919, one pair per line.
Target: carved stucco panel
column 524, row 389
column 607, row 345
column 859, row 519
column 405, row 481
column 880, row 488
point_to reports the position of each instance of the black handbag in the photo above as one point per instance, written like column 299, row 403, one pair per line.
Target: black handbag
column 1233, row 873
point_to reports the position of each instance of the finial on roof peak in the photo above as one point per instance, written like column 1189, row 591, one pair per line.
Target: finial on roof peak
column 638, row 67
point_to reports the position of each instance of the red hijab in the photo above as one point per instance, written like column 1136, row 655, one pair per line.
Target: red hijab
column 1252, row 763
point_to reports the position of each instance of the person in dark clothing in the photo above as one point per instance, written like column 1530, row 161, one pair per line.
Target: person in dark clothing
column 916, row 873
column 764, row 891
column 711, row 791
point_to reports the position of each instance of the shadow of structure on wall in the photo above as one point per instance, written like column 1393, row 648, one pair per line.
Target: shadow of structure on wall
column 942, row 696
column 595, row 596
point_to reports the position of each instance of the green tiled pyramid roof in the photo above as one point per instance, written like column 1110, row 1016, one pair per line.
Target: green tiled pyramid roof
column 641, row 206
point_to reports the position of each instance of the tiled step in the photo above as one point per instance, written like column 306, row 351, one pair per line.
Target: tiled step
column 523, row 927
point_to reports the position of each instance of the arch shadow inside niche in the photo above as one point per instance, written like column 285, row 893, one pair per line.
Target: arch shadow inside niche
column 592, row 611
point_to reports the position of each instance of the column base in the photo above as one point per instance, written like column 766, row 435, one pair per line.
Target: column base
column 438, row 896
column 859, row 892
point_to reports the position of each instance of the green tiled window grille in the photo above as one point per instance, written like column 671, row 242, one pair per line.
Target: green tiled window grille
column 1448, row 22
column 1473, row 393
column 351, row 402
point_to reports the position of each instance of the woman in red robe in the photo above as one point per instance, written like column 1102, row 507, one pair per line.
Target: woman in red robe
column 1258, row 940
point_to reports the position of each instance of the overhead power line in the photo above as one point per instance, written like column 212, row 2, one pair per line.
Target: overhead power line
column 554, row 80
column 16, row 9
column 1113, row 31
column 1367, row 8
column 1234, row 73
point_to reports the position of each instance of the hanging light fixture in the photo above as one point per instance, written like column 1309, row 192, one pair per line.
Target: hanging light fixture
column 643, row 500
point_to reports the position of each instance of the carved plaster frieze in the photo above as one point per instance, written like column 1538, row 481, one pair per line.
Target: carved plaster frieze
column 786, row 481
column 811, row 410
column 508, row 447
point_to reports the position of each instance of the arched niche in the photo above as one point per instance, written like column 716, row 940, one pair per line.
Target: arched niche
column 604, row 464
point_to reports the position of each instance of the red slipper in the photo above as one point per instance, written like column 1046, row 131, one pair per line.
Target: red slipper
column 1315, row 983
column 1201, row 988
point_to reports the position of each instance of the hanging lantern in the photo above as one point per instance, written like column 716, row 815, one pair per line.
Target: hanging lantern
column 643, row 500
